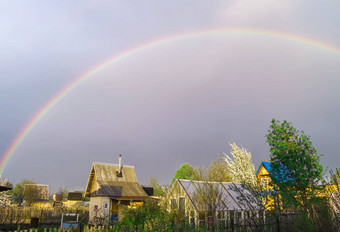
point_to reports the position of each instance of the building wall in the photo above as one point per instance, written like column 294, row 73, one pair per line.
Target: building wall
column 97, row 208
column 174, row 200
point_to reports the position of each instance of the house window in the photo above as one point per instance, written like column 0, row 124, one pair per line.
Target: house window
column 96, row 207
column 106, row 205
column 173, row 204
column 182, row 203
column 265, row 181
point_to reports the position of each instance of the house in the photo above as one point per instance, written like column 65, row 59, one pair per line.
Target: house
column 263, row 173
column 205, row 202
column 110, row 187
column 74, row 199
column 3, row 184
column 36, row 195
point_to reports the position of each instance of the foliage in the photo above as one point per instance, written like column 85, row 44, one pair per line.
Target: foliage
column 218, row 170
column 295, row 167
column 240, row 165
column 148, row 215
column 18, row 190
column 335, row 176
column 64, row 192
column 158, row 189
column 186, row 171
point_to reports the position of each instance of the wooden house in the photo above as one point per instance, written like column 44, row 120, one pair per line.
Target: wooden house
column 36, row 195
column 110, row 188
column 205, row 202
column 263, row 173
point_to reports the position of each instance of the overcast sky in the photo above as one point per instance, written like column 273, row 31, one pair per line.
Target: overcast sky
column 174, row 103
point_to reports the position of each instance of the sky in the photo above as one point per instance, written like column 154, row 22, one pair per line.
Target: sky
column 175, row 102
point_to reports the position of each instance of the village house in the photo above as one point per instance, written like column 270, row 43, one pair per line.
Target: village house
column 36, row 195
column 203, row 202
column 110, row 187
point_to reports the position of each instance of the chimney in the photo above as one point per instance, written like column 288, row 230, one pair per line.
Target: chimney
column 120, row 167
column 120, row 161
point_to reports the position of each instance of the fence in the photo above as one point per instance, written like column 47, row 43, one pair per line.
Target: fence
column 12, row 218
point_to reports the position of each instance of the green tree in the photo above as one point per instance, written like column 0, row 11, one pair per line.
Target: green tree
column 186, row 171
column 151, row 216
column 295, row 167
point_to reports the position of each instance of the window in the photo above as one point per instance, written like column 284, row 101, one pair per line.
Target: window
column 173, row 203
column 96, row 207
column 106, row 205
column 182, row 203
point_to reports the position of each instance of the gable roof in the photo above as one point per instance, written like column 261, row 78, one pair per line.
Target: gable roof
column 110, row 185
column 266, row 165
column 230, row 194
column 282, row 175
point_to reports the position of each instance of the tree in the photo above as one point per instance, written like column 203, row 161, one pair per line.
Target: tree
column 218, row 170
column 186, row 171
column 240, row 166
column 335, row 176
column 295, row 167
column 158, row 190
column 31, row 194
column 64, row 193
column 18, row 190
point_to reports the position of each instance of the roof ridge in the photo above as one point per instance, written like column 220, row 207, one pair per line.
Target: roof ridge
column 110, row 164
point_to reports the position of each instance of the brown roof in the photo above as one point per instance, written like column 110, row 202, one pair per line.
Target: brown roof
column 117, row 189
column 105, row 175
column 75, row 196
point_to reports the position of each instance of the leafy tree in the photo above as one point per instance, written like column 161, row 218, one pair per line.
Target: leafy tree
column 186, row 171
column 218, row 170
column 150, row 216
column 31, row 194
column 64, row 192
column 240, row 165
column 295, row 167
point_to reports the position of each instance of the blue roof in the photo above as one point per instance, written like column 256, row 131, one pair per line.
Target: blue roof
column 282, row 170
column 266, row 165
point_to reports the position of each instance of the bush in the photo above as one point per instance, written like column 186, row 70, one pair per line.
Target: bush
column 146, row 217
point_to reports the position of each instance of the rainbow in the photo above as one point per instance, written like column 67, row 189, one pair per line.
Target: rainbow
column 137, row 49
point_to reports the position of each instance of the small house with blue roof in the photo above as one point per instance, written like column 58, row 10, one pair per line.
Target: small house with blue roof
column 263, row 173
